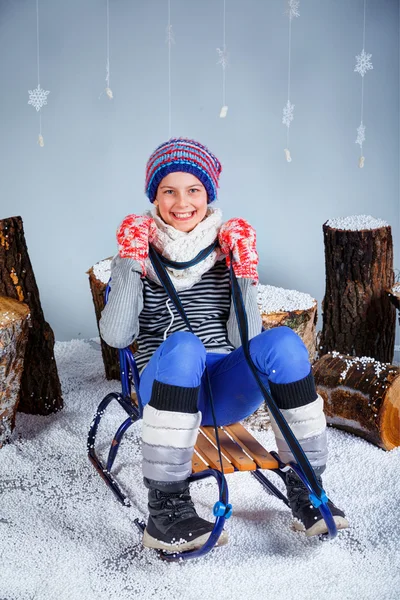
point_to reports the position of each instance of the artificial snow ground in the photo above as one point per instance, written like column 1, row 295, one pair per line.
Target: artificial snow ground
column 64, row 536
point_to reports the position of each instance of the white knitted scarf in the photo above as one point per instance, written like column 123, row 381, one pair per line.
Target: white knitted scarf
column 180, row 246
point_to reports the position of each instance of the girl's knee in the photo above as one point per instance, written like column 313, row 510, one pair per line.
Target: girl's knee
column 283, row 355
column 184, row 354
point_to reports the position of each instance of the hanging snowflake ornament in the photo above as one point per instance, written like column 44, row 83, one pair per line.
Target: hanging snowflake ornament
column 38, row 97
column 223, row 57
column 170, row 35
column 288, row 114
column 293, row 9
column 363, row 63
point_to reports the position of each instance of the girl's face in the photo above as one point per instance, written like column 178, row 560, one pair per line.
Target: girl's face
column 181, row 200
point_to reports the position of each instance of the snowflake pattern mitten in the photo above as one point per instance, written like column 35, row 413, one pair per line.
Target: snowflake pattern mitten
column 240, row 237
column 133, row 237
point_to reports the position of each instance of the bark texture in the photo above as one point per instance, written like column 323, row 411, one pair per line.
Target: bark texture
column 303, row 322
column 358, row 317
column 362, row 396
column 14, row 332
column 40, row 385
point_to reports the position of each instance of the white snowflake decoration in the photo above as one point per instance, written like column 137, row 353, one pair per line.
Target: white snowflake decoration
column 293, row 9
column 38, row 97
column 170, row 35
column 223, row 57
column 363, row 63
column 360, row 134
column 288, row 114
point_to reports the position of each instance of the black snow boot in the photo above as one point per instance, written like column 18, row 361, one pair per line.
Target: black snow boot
column 173, row 523
column 309, row 519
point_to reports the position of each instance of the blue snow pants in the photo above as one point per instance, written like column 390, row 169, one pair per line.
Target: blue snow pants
column 279, row 355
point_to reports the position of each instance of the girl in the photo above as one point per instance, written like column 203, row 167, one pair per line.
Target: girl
column 181, row 182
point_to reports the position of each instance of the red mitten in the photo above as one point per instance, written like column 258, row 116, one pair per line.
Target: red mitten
column 240, row 237
column 133, row 237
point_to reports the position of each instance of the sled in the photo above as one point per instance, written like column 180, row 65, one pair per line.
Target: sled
column 218, row 450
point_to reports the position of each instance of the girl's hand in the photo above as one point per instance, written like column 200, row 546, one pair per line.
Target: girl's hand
column 133, row 237
column 240, row 237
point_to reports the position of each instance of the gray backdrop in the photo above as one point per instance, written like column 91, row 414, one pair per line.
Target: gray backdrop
column 73, row 193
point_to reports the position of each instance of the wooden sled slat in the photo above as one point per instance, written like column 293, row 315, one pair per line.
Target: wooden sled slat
column 210, row 454
column 244, row 438
column 197, row 464
column 231, row 450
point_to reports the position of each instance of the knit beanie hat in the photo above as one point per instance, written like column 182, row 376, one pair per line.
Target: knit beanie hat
column 182, row 154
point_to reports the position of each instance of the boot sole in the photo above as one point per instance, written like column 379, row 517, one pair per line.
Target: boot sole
column 319, row 528
column 151, row 542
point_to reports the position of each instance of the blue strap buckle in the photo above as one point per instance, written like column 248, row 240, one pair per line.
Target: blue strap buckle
column 222, row 510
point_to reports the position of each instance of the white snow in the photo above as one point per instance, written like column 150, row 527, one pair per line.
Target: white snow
column 102, row 270
column 273, row 299
column 356, row 223
column 64, row 536
column 396, row 288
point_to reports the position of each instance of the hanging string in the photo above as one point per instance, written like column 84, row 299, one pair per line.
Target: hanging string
column 170, row 40
column 223, row 61
column 363, row 65
column 108, row 90
column 293, row 11
column 38, row 97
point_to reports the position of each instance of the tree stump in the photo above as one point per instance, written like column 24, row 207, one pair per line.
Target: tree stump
column 278, row 307
column 14, row 331
column 358, row 318
column 99, row 275
column 40, row 386
column 296, row 310
column 362, row 396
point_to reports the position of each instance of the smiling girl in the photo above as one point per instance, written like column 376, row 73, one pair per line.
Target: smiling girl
column 182, row 179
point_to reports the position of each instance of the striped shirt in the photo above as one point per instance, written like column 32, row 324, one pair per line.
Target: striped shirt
column 207, row 311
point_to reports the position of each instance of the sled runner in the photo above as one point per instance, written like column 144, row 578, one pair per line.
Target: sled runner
column 218, row 450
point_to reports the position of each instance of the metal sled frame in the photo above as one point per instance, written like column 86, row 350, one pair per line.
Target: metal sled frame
column 237, row 451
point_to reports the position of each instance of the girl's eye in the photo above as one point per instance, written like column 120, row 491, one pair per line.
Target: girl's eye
column 194, row 190
column 166, row 191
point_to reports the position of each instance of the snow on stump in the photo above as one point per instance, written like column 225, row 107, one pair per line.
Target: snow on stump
column 40, row 386
column 362, row 396
column 358, row 317
column 14, row 331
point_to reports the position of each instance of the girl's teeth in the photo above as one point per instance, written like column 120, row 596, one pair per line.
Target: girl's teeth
column 183, row 215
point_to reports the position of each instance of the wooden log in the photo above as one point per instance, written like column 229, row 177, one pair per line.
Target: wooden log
column 362, row 396
column 358, row 318
column 14, row 332
column 40, row 386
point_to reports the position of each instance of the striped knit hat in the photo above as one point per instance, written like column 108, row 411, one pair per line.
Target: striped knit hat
column 182, row 154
